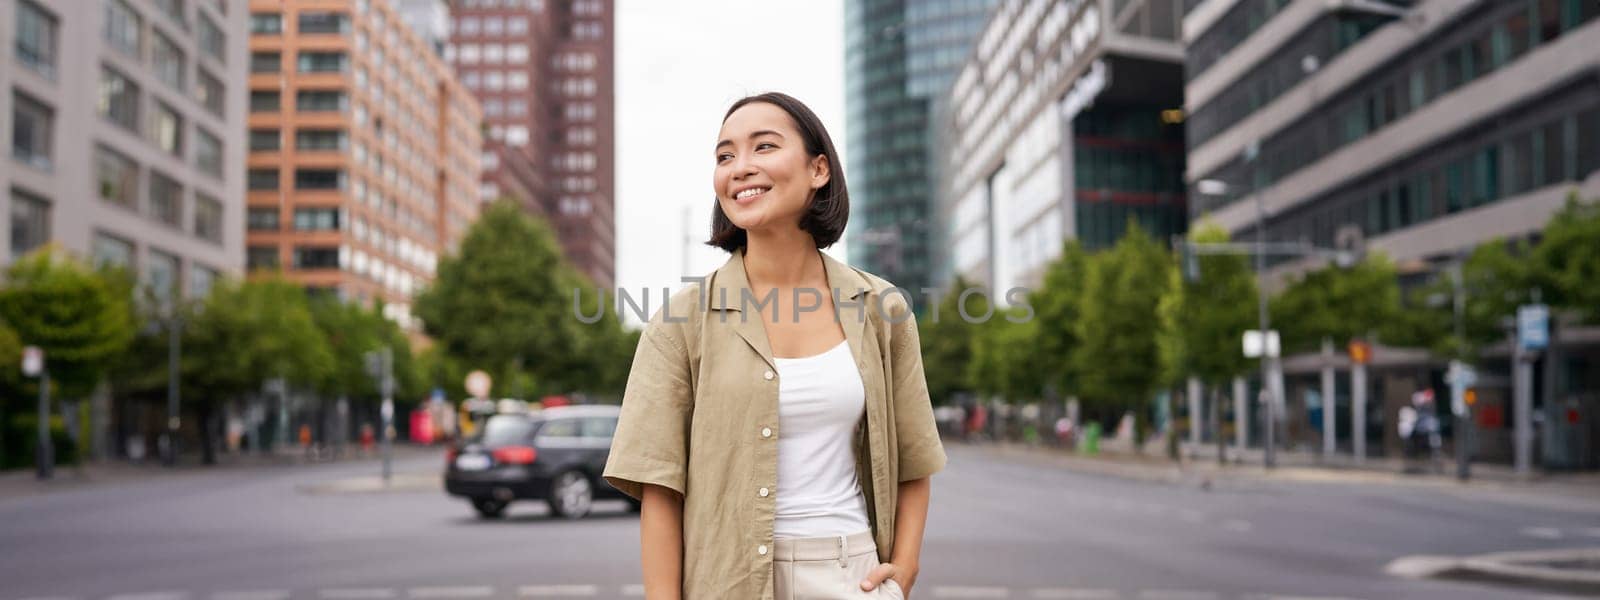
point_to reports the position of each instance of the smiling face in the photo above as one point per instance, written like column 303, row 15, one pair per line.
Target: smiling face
column 764, row 175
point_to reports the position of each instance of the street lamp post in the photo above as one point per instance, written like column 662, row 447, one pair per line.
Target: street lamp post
column 174, row 351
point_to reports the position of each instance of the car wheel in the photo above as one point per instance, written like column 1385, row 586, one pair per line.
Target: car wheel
column 571, row 495
column 489, row 508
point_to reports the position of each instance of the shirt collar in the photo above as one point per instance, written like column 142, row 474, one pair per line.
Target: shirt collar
column 730, row 283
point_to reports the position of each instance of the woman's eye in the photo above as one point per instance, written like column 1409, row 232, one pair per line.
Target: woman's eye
column 723, row 157
column 765, row 145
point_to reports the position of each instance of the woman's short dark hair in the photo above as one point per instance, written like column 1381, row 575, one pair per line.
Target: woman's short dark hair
column 825, row 217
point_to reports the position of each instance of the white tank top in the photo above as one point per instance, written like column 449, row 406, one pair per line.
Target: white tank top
column 820, row 402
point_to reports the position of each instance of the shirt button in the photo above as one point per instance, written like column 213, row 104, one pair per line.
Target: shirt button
column 766, row 432
column 762, row 549
column 768, row 375
column 764, row 492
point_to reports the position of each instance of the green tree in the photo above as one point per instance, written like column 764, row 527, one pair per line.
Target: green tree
column 948, row 341
column 1204, row 315
column 504, row 304
column 1337, row 304
column 1057, row 305
column 78, row 317
column 1118, row 356
column 1566, row 263
column 1005, row 361
column 243, row 334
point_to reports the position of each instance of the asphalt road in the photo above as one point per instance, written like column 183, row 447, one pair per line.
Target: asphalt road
column 1000, row 527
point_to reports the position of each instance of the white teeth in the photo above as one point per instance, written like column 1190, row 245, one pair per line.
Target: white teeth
column 750, row 192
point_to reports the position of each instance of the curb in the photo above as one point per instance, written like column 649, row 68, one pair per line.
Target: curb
column 1527, row 568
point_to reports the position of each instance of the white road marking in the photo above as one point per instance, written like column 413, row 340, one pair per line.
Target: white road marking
column 460, row 591
column 953, row 591
column 1592, row 532
column 357, row 593
column 1239, row 525
column 251, row 595
column 1543, row 533
column 1075, row 594
column 1282, row 597
column 1191, row 515
column 151, row 596
column 559, row 590
column 633, row 589
column 50, row 598
column 1176, row 595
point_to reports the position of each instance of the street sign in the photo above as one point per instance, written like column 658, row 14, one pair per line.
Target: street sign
column 32, row 360
column 1360, row 352
column 1533, row 326
column 1253, row 345
column 478, row 384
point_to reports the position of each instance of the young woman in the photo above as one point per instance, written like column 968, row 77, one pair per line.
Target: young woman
column 776, row 426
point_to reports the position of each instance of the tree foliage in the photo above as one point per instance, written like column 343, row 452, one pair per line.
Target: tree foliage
column 78, row 316
column 1118, row 357
column 948, row 342
column 1204, row 317
column 1337, row 303
column 250, row 331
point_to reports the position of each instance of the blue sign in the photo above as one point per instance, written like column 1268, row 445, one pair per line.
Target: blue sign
column 1533, row 326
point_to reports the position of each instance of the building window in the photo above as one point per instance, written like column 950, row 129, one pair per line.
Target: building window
column 266, row 62
column 469, row 54
column 518, row 80
column 212, row 40
column 517, row 54
column 319, row 139
column 166, row 129
column 207, row 218
column 467, row 26
column 210, row 92
column 262, row 218
column 119, row 99
column 262, row 101
column 263, row 140
column 30, row 222
column 208, row 152
column 322, row 62
column 168, row 60
column 166, row 199
column 517, row 135
column 494, row 53
column 319, row 179
column 262, row 179
column 173, row 9
column 266, row 24
column 201, row 280
column 494, row 27
column 118, row 178
column 36, row 38
column 316, row 219
column 320, row 101
column 324, row 22
column 122, row 27
column 261, row 257
column 517, row 26
column 160, row 276
column 316, row 257
column 111, row 251
column 32, row 130
column 494, row 81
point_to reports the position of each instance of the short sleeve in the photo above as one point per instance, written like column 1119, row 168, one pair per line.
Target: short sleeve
column 917, row 434
column 651, row 443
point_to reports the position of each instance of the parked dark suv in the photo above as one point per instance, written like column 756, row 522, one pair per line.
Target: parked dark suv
column 555, row 455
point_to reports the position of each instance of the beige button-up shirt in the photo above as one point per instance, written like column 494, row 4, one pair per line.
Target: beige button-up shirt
column 700, row 416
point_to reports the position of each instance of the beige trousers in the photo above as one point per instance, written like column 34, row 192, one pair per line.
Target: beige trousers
column 828, row 568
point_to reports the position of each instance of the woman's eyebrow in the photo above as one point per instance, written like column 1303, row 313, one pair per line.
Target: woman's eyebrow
column 753, row 135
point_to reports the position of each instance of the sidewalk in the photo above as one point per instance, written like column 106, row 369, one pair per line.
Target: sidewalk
column 22, row 482
column 1200, row 467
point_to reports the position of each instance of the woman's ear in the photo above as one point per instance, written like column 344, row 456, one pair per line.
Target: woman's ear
column 819, row 171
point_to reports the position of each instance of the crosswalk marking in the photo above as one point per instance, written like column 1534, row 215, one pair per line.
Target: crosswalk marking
column 950, row 591
column 357, row 593
column 475, row 591
column 251, row 595
column 558, row 590
column 1075, row 594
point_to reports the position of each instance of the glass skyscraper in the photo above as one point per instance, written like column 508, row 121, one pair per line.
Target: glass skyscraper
column 899, row 56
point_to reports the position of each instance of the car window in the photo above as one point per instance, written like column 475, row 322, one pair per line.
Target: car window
column 599, row 427
column 560, row 428
column 503, row 430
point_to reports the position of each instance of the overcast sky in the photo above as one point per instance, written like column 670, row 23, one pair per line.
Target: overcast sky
column 679, row 66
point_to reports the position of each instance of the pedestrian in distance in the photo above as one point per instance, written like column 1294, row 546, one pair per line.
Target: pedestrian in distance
column 776, row 426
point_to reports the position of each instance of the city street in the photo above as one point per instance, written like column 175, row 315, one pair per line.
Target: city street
column 1001, row 527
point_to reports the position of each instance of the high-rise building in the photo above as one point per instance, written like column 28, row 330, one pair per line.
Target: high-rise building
column 363, row 150
column 1422, row 128
column 126, row 121
column 1065, row 123
column 899, row 56
column 1418, row 130
column 543, row 72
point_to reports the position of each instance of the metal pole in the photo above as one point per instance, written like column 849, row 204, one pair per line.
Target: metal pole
column 1522, row 377
column 1241, row 420
column 1463, row 416
column 45, row 457
column 174, row 325
column 1270, row 459
column 1192, row 391
column 1329, row 407
column 1358, row 411
column 387, row 383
